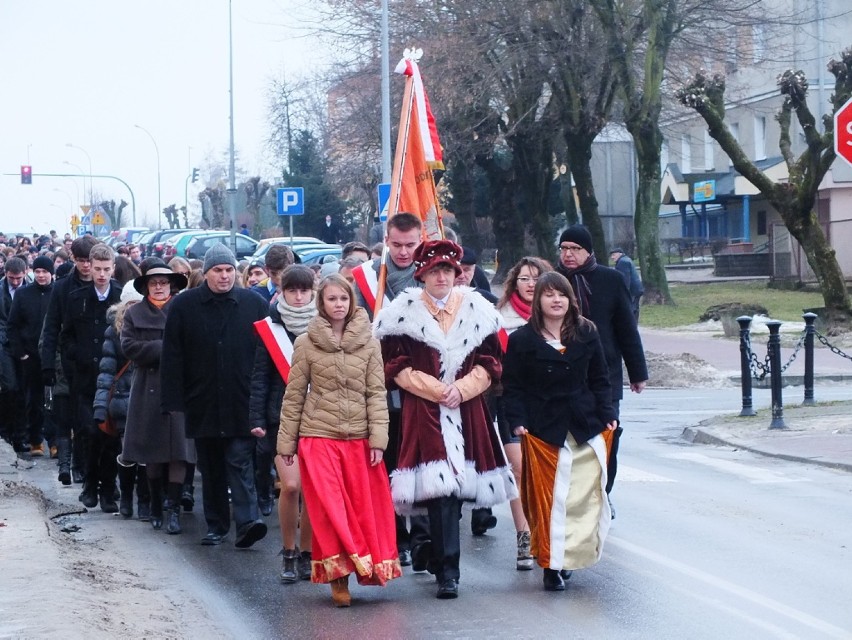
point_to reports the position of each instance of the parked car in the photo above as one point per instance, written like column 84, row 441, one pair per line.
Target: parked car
column 199, row 245
column 127, row 235
column 286, row 240
column 319, row 255
column 155, row 242
column 262, row 249
column 176, row 245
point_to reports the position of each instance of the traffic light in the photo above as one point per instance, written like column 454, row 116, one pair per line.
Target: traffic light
column 194, row 175
column 26, row 174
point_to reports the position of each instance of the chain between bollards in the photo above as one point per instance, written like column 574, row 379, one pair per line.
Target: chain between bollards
column 745, row 366
column 774, row 327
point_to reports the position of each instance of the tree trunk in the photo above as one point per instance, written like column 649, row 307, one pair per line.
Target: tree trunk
column 507, row 222
column 579, row 149
column 822, row 258
column 462, row 185
column 533, row 161
column 647, row 139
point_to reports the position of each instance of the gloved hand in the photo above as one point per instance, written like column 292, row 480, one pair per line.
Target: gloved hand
column 48, row 377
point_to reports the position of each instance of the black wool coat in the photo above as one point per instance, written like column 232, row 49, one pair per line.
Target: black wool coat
column 551, row 393
column 84, row 322
column 208, row 354
column 26, row 319
column 51, row 331
column 611, row 310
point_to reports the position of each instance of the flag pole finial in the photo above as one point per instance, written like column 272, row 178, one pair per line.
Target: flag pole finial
column 412, row 54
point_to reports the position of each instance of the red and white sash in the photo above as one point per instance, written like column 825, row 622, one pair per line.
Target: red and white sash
column 367, row 281
column 277, row 343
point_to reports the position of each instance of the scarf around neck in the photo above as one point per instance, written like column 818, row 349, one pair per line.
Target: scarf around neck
column 577, row 278
column 521, row 308
column 398, row 279
column 296, row 319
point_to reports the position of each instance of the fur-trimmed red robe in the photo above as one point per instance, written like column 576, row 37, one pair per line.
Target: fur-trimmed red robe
column 444, row 451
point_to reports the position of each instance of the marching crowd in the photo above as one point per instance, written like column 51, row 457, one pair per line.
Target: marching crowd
column 371, row 403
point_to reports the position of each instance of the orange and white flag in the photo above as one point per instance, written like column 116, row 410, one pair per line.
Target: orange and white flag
column 418, row 152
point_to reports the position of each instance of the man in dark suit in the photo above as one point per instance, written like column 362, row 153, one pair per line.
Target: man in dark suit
column 604, row 299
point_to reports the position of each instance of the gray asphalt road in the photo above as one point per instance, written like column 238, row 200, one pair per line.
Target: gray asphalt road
column 708, row 543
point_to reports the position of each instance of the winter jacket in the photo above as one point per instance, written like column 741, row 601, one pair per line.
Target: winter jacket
column 151, row 436
column 26, row 319
column 84, row 323
column 335, row 390
column 111, row 363
column 51, row 341
column 551, row 393
column 267, row 385
column 208, row 354
column 612, row 312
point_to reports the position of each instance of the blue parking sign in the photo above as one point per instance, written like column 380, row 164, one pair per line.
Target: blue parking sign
column 291, row 201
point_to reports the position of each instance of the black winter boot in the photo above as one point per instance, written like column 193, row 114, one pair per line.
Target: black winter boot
column 172, row 507
column 143, row 494
column 156, row 487
column 63, row 450
column 288, row 565
column 89, row 495
column 126, row 480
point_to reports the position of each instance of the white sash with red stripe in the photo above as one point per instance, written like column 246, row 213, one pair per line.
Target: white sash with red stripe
column 367, row 281
column 277, row 343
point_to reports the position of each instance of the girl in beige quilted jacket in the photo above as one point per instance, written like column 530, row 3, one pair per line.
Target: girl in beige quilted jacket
column 335, row 412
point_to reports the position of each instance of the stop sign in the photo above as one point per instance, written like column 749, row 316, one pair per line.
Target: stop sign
column 843, row 132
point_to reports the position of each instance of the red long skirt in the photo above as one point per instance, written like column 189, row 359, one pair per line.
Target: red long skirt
column 349, row 503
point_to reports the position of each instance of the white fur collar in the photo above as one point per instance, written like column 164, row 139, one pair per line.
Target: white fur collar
column 408, row 316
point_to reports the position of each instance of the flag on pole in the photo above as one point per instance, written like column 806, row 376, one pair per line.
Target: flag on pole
column 418, row 152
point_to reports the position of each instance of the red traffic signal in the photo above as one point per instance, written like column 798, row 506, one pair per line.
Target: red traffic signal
column 26, row 174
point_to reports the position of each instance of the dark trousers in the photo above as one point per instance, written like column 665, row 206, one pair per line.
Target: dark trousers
column 225, row 462
column 101, row 465
column 14, row 427
column 444, row 516
column 33, row 390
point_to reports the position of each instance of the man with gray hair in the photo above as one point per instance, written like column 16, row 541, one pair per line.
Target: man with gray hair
column 208, row 355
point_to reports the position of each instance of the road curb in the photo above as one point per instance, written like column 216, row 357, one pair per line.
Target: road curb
column 697, row 435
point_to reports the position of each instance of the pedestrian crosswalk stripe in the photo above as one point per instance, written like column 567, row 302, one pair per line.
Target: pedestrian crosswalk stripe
column 632, row 474
column 753, row 474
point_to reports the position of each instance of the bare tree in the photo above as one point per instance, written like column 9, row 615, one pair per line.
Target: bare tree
column 794, row 200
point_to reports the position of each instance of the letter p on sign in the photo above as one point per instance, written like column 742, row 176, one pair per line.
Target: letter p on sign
column 843, row 132
column 291, row 201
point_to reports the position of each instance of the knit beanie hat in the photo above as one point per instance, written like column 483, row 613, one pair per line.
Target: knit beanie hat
column 129, row 293
column 578, row 234
column 43, row 262
column 216, row 255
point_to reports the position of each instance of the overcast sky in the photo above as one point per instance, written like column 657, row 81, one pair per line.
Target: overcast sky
column 86, row 71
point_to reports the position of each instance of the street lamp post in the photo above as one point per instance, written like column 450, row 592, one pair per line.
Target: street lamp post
column 159, row 201
column 89, row 158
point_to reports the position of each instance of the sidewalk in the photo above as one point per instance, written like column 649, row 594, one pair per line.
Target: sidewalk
column 709, row 344
column 820, row 434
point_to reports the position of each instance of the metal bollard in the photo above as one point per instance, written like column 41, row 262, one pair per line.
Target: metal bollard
column 775, row 374
column 809, row 358
column 745, row 369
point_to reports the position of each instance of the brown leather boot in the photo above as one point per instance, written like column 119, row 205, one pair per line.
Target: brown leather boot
column 340, row 592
